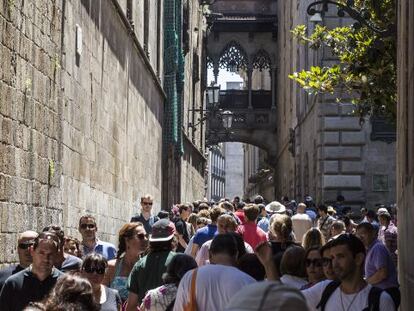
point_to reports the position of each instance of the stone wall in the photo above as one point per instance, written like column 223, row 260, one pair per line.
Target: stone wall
column 405, row 142
column 79, row 133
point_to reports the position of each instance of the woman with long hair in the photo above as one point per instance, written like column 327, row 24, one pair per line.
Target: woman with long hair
column 93, row 269
column 313, row 238
column 313, row 266
column 132, row 242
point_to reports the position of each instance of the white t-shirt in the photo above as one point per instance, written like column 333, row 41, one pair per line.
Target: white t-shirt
column 202, row 256
column 301, row 223
column 353, row 302
column 293, row 281
column 215, row 285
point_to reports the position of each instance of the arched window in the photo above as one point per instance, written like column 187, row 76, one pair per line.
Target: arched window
column 233, row 57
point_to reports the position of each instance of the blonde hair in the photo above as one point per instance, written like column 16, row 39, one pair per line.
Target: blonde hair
column 281, row 226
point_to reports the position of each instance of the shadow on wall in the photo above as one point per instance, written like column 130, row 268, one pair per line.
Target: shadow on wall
column 116, row 35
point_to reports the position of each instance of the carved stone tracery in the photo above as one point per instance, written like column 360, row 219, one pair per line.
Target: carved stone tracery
column 233, row 57
column 261, row 60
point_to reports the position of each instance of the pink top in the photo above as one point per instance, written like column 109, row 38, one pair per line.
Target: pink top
column 252, row 234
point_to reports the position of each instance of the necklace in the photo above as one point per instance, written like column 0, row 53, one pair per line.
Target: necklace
column 352, row 301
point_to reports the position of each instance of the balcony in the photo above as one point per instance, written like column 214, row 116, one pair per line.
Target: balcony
column 239, row 99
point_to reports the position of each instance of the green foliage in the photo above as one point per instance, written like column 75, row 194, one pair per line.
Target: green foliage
column 366, row 67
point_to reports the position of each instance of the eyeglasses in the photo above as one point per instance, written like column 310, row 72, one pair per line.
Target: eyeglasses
column 315, row 262
column 89, row 226
column 25, row 245
column 326, row 261
column 146, row 203
column 92, row 270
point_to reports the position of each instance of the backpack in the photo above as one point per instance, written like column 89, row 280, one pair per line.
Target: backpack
column 373, row 297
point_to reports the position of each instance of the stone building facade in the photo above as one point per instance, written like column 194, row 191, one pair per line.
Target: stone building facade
column 324, row 150
column 82, row 113
column 216, row 175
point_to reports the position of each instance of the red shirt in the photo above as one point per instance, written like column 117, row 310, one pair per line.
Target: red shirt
column 252, row 234
column 240, row 214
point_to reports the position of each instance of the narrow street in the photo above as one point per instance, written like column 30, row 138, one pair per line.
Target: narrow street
column 260, row 140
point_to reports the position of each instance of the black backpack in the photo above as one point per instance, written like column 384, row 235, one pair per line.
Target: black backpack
column 373, row 297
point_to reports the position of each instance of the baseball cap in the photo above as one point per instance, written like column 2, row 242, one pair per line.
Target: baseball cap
column 275, row 207
column 162, row 230
column 267, row 296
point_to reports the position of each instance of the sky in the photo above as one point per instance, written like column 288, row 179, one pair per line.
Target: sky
column 224, row 76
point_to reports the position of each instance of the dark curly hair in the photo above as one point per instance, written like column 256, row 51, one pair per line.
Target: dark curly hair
column 71, row 292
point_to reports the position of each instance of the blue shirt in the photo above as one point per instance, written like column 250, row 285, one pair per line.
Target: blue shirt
column 311, row 214
column 106, row 249
column 205, row 234
column 264, row 224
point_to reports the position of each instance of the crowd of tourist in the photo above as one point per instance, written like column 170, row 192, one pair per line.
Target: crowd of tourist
column 229, row 255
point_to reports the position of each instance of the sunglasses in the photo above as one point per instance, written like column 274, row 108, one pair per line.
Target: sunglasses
column 326, row 261
column 146, row 203
column 315, row 262
column 92, row 270
column 89, row 226
column 142, row 236
column 25, row 245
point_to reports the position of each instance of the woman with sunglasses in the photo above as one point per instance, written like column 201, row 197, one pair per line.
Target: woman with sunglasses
column 313, row 266
column 93, row 269
column 132, row 243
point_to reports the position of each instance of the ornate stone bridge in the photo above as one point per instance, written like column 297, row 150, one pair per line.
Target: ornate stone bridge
column 255, row 125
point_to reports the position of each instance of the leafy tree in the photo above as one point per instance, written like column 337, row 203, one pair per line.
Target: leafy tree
column 366, row 66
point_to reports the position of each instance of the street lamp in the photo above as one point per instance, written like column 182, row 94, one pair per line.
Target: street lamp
column 362, row 17
column 227, row 117
column 213, row 93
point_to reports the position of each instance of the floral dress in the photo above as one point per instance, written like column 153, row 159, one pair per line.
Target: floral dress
column 160, row 298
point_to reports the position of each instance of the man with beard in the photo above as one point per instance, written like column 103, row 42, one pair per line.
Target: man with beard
column 351, row 292
column 35, row 282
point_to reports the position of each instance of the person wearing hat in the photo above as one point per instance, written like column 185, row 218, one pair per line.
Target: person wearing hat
column 388, row 233
column 147, row 272
column 272, row 208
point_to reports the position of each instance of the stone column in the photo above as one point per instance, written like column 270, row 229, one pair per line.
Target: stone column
column 216, row 71
column 273, row 86
column 249, row 85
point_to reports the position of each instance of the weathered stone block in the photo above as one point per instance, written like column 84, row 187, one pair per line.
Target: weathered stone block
column 352, row 167
column 331, row 166
column 341, row 123
column 7, row 131
column 331, row 138
column 353, row 138
column 341, row 153
column 341, row 181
